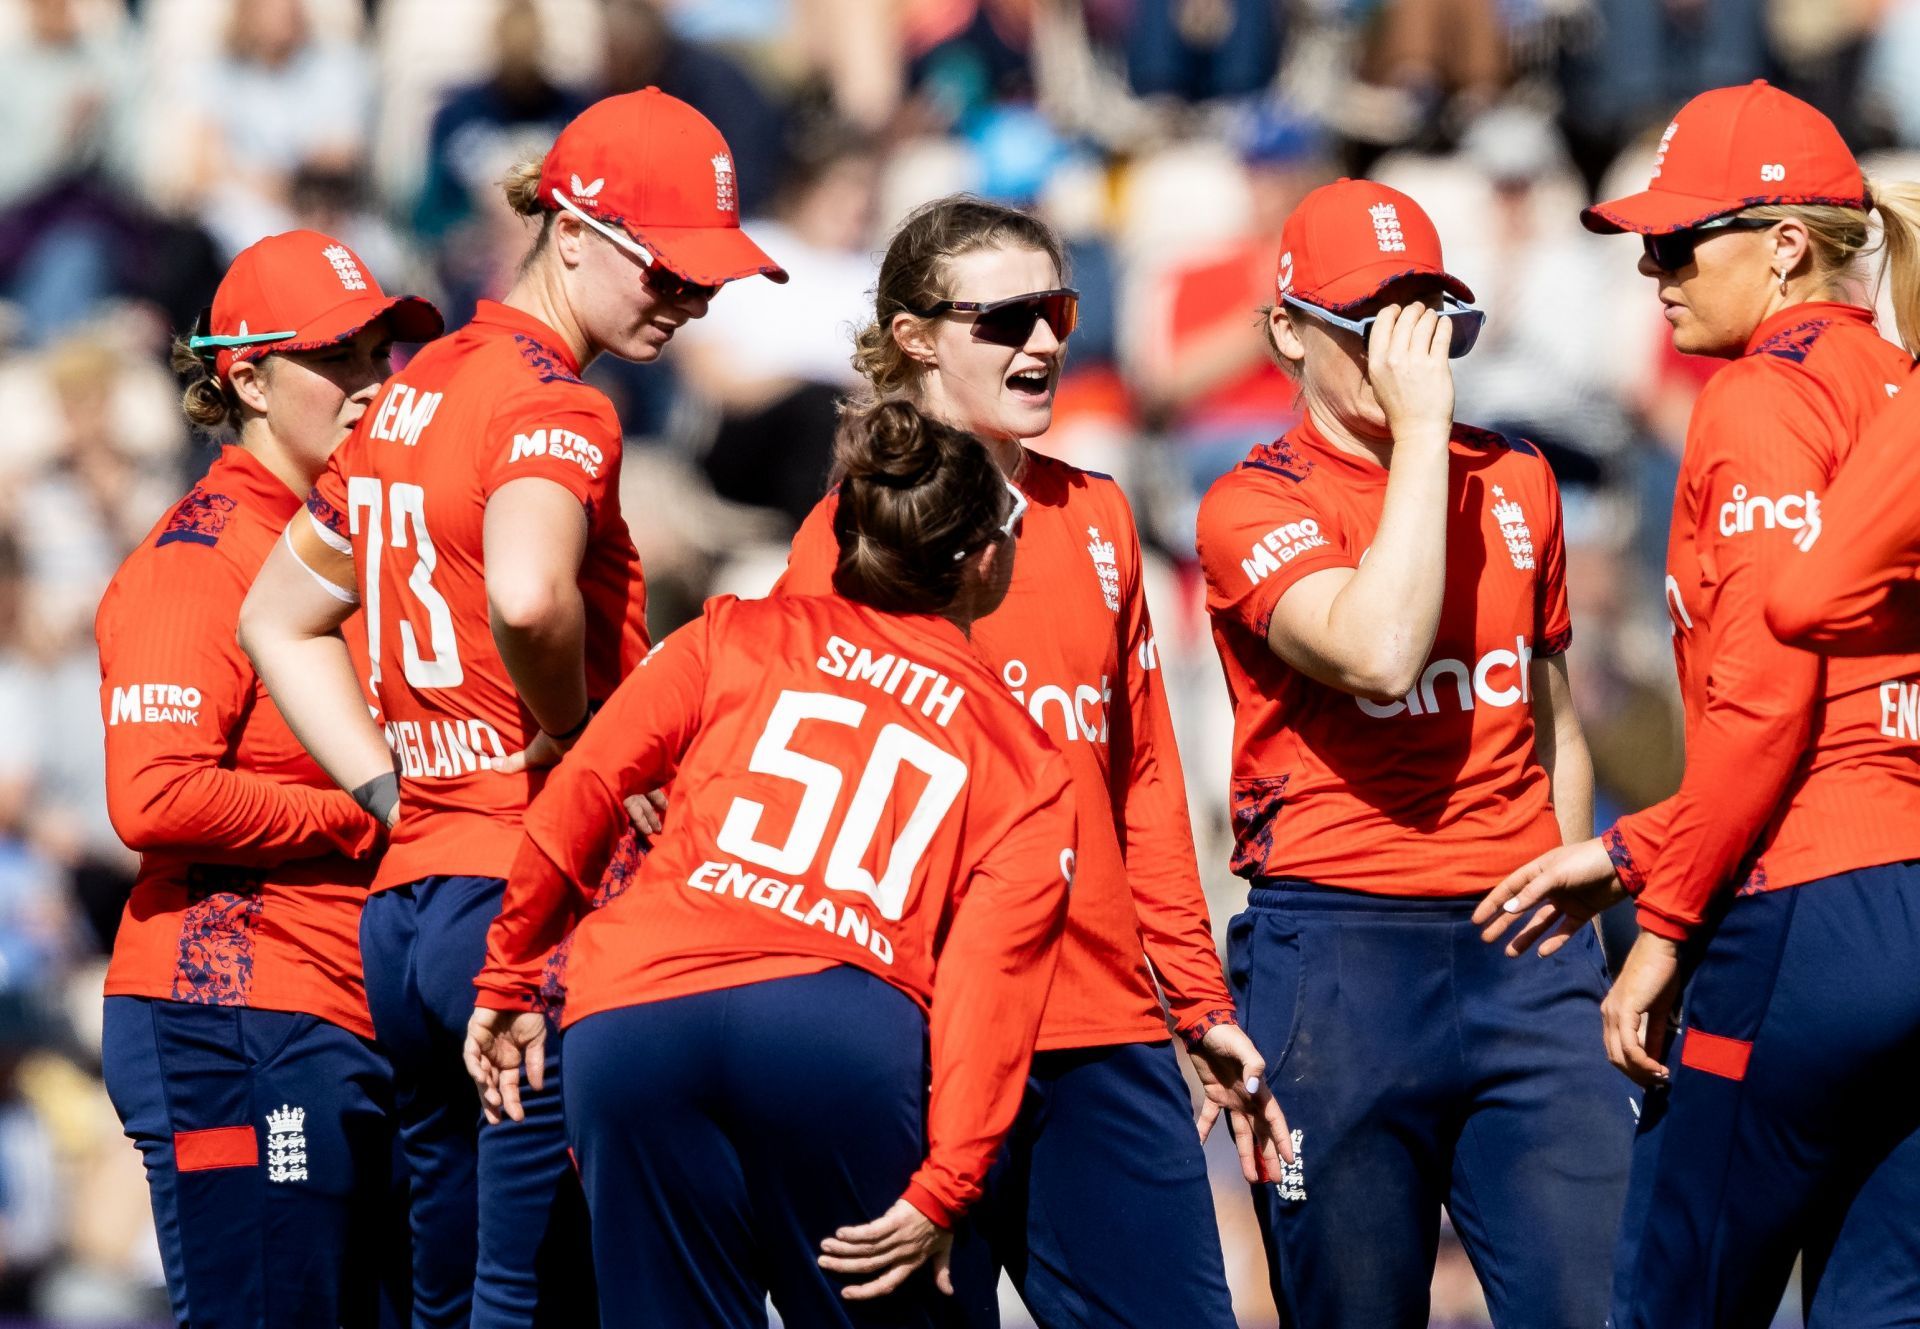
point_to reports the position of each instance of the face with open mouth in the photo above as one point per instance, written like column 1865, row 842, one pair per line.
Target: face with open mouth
column 993, row 370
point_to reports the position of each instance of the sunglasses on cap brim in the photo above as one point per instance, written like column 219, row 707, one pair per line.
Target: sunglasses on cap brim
column 1011, row 524
column 662, row 280
column 1011, row 321
column 1674, row 250
column 1467, row 321
column 208, row 347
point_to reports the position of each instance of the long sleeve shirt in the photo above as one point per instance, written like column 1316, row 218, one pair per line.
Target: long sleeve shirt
column 849, row 787
column 1073, row 644
column 1792, row 772
column 253, row 867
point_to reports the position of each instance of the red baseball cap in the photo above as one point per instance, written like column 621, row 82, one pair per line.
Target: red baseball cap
column 658, row 170
column 1346, row 241
column 1734, row 148
column 300, row 291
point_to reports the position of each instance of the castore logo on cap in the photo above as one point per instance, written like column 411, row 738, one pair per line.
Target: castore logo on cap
column 1286, row 273
column 587, row 195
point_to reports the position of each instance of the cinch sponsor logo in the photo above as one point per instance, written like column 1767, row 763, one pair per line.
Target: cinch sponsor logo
column 561, row 445
column 1081, row 715
column 403, row 413
column 1900, row 709
column 1796, row 512
column 1498, row 678
column 1677, row 607
column 154, row 703
column 1281, row 546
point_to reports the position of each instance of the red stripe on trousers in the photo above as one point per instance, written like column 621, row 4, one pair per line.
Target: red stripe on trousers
column 223, row 1146
column 1725, row 1057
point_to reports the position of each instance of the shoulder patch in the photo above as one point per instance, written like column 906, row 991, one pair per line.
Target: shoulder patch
column 1796, row 342
column 541, row 359
column 1280, row 457
column 199, row 519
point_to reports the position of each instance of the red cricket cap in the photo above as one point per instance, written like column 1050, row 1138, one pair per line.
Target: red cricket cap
column 1734, row 148
column 658, row 170
column 300, row 291
column 1346, row 241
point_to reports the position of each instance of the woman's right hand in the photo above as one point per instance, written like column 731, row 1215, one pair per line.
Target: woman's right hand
column 890, row 1248
column 1410, row 372
column 1565, row 887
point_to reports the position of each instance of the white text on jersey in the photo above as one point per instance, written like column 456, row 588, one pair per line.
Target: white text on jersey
column 786, row 897
column 1076, row 720
column 886, row 672
column 1900, row 709
column 403, row 413
column 440, row 749
column 1799, row 513
column 154, row 703
column 561, row 445
column 1469, row 683
column 1280, row 546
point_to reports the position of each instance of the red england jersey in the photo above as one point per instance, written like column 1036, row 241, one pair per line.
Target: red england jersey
column 1857, row 592
column 253, row 866
column 1441, row 792
column 849, row 787
column 1073, row 644
column 1797, row 768
column 497, row 401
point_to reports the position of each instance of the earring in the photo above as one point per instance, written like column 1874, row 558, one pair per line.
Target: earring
column 1782, row 275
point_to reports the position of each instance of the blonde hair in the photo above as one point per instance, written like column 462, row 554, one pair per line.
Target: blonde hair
column 1839, row 237
column 521, row 185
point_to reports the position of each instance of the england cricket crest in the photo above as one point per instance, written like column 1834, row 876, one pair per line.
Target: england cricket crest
column 1104, row 567
column 287, row 1144
column 1513, row 528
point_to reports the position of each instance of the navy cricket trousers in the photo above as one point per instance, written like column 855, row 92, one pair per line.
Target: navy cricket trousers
column 1421, row 1067
column 722, row 1136
column 499, row 1225
column 268, row 1143
column 1099, row 1209
column 1791, row 1123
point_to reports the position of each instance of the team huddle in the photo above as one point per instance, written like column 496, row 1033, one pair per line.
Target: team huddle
column 492, row 965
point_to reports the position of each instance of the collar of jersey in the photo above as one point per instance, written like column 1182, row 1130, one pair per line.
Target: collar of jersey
column 1807, row 312
column 494, row 313
column 247, row 478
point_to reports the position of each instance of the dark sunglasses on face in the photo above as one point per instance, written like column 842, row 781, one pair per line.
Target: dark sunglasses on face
column 1674, row 251
column 1467, row 322
column 671, row 286
column 1010, row 322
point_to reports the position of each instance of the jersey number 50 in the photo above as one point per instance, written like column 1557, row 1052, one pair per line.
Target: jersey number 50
column 820, row 782
column 408, row 504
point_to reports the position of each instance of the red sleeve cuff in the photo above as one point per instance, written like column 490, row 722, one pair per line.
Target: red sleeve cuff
column 1633, row 877
column 1660, row 925
column 1196, row 1029
column 929, row 1205
column 505, row 992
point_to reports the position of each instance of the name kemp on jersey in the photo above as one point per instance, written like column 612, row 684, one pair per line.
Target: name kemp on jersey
column 403, row 413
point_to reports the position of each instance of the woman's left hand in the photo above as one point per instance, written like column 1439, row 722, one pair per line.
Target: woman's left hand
column 1634, row 1015
column 892, row 1246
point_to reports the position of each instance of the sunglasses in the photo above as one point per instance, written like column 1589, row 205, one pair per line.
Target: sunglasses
column 1011, row 524
column 661, row 280
column 1467, row 322
column 1010, row 322
column 208, row 347
column 1674, row 251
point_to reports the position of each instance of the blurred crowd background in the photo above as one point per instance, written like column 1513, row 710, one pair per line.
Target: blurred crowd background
column 147, row 140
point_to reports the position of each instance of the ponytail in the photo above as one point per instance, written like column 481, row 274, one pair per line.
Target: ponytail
column 916, row 497
column 1898, row 203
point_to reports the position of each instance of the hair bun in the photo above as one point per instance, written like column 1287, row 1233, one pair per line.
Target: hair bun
column 897, row 449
